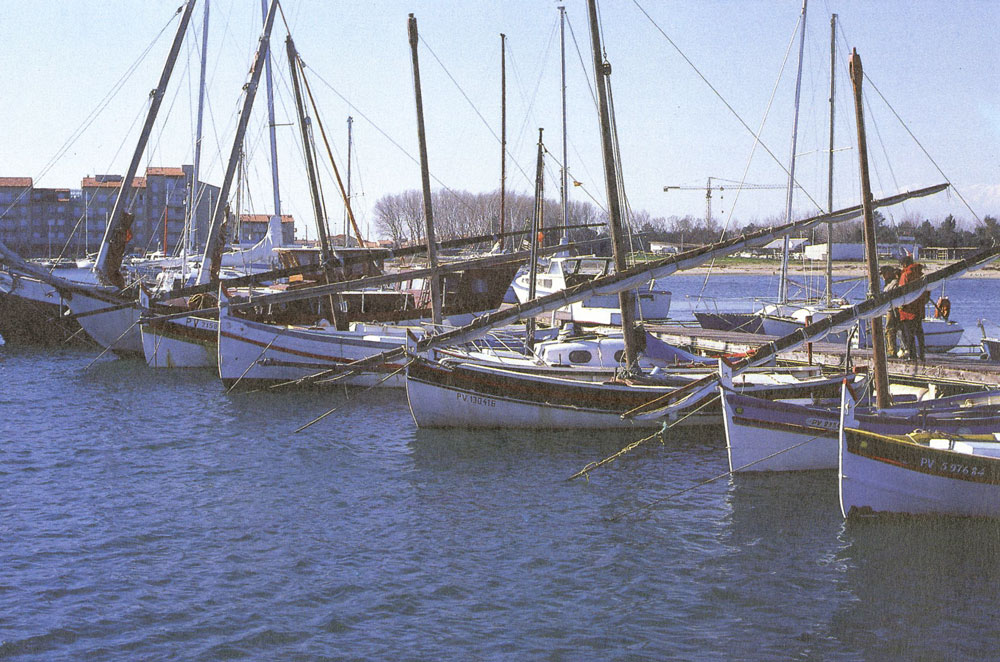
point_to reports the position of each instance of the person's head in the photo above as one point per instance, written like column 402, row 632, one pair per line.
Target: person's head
column 906, row 260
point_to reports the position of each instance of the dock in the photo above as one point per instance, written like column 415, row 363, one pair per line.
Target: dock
column 943, row 369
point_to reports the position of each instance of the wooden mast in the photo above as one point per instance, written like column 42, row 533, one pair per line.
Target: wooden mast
column 109, row 256
column 871, row 252
column 309, row 153
column 503, row 134
column 212, row 261
column 626, row 300
column 425, row 177
column 829, row 187
column 536, row 226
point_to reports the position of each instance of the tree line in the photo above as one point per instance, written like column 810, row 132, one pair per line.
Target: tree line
column 400, row 218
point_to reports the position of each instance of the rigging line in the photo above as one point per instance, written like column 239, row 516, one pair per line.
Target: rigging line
column 620, row 516
column 922, row 148
column 530, row 101
column 753, row 149
column 385, row 135
column 459, row 88
column 723, row 99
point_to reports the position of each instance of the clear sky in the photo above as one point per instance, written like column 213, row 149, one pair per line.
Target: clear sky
column 936, row 64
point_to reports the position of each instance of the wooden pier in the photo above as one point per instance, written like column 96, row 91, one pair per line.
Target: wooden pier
column 943, row 369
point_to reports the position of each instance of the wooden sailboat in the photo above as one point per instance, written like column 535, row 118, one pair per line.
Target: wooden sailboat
column 768, row 436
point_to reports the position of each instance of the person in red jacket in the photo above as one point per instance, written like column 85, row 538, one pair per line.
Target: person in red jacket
column 911, row 315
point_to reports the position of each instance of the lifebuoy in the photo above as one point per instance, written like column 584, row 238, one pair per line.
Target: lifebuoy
column 942, row 308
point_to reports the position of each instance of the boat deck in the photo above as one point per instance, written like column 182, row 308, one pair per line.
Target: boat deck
column 960, row 369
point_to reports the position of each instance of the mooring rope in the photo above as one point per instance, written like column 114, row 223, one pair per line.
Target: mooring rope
column 635, row 444
column 338, row 407
column 620, row 516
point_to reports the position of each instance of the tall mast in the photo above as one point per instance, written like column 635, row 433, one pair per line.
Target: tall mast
column 565, row 192
column 309, row 154
column 871, row 253
column 425, row 177
column 270, row 117
column 503, row 132
column 626, row 300
column 194, row 193
column 107, row 265
column 210, row 264
column 350, row 144
column 537, row 220
column 783, row 286
column 829, row 188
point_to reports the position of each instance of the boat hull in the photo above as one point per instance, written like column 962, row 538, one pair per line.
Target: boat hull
column 253, row 352
column 880, row 474
column 187, row 342
column 33, row 313
column 116, row 328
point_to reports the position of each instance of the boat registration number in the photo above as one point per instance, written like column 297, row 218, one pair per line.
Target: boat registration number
column 952, row 467
column 476, row 400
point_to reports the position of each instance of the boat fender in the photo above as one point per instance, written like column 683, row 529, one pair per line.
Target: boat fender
column 942, row 309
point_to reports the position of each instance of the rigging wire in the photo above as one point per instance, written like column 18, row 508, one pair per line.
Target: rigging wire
column 726, row 103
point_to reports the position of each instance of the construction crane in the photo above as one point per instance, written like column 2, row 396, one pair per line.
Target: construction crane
column 708, row 188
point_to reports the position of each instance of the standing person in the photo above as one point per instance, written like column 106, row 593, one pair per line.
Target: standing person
column 911, row 315
column 891, row 277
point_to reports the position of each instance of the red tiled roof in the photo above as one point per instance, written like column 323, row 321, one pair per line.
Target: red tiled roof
column 165, row 172
column 15, row 182
column 92, row 182
column 264, row 218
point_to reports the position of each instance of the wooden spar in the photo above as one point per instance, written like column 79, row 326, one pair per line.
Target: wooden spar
column 209, row 265
column 107, row 265
column 562, row 60
column 344, row 193
column 503, row 132
column 829, row 187
column 425, row 178
column 882, row 398
column 194, row 192
column 626, row 300
column 309, row 154
column 536, row 224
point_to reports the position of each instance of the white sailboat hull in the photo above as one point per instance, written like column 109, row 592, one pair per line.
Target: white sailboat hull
column 256, row 352
column 776, row 440
column 929, row 482
column 116, row 329
column 187, row 342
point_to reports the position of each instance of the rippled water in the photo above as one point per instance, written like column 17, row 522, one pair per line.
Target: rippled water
column 149, row 515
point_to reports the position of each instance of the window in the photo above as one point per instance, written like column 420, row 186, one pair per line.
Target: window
column 580, row 356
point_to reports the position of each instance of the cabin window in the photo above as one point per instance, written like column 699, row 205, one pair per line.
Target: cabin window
column 580, row 356
column 546, row 282
column 619, row 355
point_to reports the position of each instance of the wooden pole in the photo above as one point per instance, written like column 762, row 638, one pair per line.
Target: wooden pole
column 503, row 131
column 626, row 300
column 536, row 225
column 829, row 187
column 425, row 178
column 871, row 251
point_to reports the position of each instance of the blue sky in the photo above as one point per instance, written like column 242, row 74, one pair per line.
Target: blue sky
column 935, row 63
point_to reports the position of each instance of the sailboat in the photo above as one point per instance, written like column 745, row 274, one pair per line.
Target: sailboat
column 767, row 436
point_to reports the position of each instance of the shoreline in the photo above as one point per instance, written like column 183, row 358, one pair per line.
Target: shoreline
column 850, row 269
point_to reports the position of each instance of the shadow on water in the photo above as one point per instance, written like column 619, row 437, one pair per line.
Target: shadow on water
column 920, row 587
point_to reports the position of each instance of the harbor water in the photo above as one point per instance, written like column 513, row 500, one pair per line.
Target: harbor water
column 150, row 515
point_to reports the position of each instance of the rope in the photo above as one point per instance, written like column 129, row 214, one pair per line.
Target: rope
column 620, row 516
column 113, row 343
column 253, row 363
column 378, row 383
column 611, row 458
